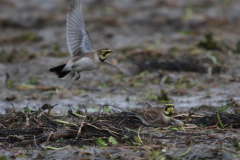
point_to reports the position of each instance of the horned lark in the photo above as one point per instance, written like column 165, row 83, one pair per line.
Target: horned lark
column 84, row 58
column 156, row 116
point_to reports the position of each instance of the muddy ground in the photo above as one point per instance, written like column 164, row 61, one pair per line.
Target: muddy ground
column 186, row 52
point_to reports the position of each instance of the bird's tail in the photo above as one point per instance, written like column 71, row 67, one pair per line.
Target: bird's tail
column 58, row 70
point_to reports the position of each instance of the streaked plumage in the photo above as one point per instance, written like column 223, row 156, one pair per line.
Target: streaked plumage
column 84, row 58
column 157, row 116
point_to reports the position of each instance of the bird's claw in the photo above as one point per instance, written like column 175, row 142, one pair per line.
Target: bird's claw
column 77, row 78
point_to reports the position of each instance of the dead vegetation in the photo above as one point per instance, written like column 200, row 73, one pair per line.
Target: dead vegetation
column 29, row 127
column 41, row 129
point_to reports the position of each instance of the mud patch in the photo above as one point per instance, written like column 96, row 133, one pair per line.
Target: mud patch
column 152, row 61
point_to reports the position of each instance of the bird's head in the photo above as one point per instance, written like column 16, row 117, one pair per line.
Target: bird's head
column 168, row 109
column 103, row 54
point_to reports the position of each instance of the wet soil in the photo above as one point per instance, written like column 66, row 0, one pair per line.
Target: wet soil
column 117, row 135
column 185, row 52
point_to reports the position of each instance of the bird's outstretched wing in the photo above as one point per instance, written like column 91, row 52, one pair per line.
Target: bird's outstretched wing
column 77, row 36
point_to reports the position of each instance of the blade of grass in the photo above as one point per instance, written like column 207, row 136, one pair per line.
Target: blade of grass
column 50, row 147
column 189, row 149
column 219, row 120
column 65, row 122
column 78, row 115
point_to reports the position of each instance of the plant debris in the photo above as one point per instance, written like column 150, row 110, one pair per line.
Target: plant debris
column 15, row 131
column 37, row 128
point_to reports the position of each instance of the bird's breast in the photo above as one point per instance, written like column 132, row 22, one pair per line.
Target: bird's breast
column 86, row 64
column 167, row 119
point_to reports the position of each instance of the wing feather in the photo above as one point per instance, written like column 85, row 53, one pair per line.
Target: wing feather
column 77, row 36
column 151, row 114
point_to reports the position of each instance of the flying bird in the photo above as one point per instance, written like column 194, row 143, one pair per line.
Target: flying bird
column 84, row 57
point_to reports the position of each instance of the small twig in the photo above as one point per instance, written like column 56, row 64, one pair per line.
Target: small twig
column 123, row 120
column 215, row 142
column 148, row 103
column 86, row 112
column 218, row 117
column 2, row 125
column 35, row 141
column 190, row 127
column 112, row 126
column 101, row 109
column 112, row 132
column 40, row 114
column 54, row 105
column 93, row 126
column 107, row 105
column 71, row 107
column 212, row 126
column 13, row 108
column 80, row 128
column 49, row 137
column 117, row 107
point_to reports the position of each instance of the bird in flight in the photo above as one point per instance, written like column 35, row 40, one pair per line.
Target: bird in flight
column 84, row 57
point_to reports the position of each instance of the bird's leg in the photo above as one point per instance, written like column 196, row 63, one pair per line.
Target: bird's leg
column 78, row 76
column 72, row 74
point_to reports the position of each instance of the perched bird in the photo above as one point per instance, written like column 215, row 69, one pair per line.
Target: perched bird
column 84, row 58
column 156, row 116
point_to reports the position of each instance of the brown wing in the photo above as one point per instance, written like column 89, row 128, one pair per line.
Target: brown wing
column 151, row 114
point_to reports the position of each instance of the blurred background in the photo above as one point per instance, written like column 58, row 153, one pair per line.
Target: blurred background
column 181, row 51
